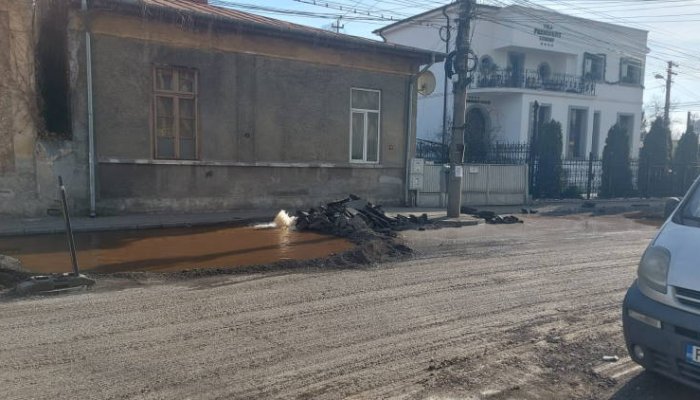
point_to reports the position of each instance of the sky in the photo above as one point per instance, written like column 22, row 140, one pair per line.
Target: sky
column 673, row 25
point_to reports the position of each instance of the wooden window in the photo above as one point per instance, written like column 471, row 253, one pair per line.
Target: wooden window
column 175, row 113
column 365, row 113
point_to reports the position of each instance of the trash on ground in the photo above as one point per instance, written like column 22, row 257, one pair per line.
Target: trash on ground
column 353, row 214
column 611, row 358
column 58, row 282
column 53, row 283
column 491, row 217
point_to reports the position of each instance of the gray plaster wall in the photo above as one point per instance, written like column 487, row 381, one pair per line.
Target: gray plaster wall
column 252, row 109
column 30, row 158
column 174, row 188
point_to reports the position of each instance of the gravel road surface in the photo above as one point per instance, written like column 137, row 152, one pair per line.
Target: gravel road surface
column 500, row 312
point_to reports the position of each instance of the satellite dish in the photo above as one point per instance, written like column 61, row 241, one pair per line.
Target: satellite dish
column 426, row 83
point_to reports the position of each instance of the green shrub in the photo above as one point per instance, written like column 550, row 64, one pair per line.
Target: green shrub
column 548, row 177
column 653, row 178
column 685, row 162
column 616, row 180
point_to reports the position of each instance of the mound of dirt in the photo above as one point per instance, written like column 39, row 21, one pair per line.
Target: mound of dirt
column 370, row 249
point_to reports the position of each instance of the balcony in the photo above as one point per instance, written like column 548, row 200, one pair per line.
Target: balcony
column 505, row 78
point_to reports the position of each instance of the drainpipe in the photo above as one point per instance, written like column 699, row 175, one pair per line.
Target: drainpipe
column 91, row 131
column 409, row 134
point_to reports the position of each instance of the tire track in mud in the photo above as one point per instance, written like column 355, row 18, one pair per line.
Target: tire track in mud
column 396, row 333
column 368, row 333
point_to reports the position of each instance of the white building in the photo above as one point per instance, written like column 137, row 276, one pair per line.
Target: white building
column 588, row 75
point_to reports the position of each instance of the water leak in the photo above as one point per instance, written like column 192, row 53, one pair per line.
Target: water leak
column 170, row 249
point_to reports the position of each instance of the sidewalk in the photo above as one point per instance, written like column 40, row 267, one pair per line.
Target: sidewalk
column 436, row 215
column 545, row 207
column 34, row 226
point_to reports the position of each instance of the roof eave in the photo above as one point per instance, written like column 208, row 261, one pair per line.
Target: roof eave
column 422, row 56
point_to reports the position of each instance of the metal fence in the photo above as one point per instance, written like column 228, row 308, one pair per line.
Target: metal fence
column 658, row 180
column 581, row 177
column 432, row 151
column 498, row 153
column 529, row 79
column 482, row 185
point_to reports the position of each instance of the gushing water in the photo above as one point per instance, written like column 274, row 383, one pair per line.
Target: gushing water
column 282, row 220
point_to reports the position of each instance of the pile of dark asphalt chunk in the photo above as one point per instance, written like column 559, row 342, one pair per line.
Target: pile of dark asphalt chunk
column 491, row 217
column 352, row 215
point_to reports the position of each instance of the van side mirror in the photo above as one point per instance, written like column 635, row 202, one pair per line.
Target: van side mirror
column 670, row 207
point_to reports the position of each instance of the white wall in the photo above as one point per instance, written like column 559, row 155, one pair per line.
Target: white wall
column 609, row 111
column 514, row 31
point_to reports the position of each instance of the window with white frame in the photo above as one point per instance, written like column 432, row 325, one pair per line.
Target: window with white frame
column 175, row 112
column 630, row 71
column 365, row 113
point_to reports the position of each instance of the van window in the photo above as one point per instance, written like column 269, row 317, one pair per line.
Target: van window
column 690, row 214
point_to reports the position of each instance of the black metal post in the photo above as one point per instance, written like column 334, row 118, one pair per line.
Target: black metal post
column 69, row 230
column 533, row 145
column 590, row 175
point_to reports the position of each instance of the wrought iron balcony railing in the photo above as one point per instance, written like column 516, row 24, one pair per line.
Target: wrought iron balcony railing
column 504, row 78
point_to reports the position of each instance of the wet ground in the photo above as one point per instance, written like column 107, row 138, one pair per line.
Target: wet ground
column 488, row 312
column 170, row 249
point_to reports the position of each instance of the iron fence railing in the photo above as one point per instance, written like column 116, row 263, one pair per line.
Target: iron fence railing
column 432, row 151
column 579, row 176
column 585, row 176
column 504, row 153
column 498, row 153
column 528, row 79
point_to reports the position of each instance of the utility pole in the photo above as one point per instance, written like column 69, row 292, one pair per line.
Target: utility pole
column 669, row 79
column 446, row 39
column 689, row 123
column 337, row 26
column 459, row 88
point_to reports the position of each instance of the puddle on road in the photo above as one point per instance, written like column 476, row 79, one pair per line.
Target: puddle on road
column 170, row 249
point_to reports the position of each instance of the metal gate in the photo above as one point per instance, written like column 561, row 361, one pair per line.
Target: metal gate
column 482, row 185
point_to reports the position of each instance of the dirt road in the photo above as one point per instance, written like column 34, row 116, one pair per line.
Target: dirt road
column 497, row 312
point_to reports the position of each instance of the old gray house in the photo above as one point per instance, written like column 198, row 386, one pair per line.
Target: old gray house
column 193, row 107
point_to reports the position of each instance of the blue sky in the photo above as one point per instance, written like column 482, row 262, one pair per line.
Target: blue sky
column 673, row 26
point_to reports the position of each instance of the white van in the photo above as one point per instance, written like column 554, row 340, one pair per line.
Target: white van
column 661, row 312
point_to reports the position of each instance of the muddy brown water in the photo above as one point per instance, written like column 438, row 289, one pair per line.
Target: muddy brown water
column 170, row 249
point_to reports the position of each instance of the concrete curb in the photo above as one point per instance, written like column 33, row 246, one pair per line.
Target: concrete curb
column 458, row 222
column 22, row 227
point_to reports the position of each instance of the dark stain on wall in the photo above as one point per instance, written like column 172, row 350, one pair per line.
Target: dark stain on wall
column 7, row 153
column 52, row 65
